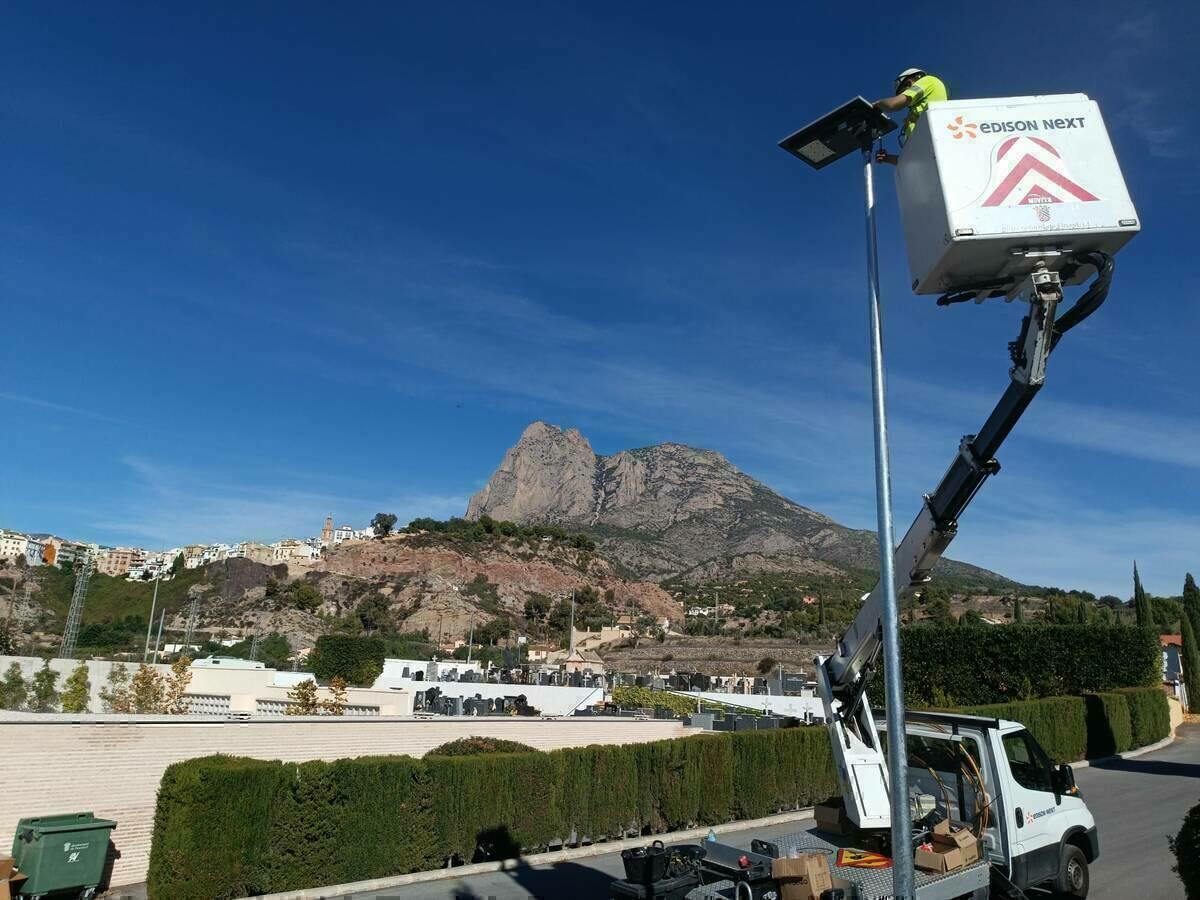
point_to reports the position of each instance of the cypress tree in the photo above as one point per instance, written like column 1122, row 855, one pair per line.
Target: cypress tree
column 1191, row 599
column 1018, row 611
column 1141, row 603
column 1190, row 654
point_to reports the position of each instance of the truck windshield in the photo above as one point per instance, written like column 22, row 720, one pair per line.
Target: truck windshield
column 1029, row 763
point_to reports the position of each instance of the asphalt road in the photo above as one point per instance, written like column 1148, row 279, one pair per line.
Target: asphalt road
column 1136, row 802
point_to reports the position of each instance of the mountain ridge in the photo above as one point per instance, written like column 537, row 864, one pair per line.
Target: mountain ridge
column 674, row 511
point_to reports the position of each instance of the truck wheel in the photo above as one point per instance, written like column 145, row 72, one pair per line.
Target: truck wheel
column 1072, row 880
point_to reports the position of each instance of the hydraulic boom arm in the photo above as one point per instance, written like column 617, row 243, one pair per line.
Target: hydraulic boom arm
column 843, row 677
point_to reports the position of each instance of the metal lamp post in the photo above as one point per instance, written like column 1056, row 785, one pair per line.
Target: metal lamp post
column 855, row 126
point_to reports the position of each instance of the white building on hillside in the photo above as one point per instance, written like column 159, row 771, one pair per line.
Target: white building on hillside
column 12, row 544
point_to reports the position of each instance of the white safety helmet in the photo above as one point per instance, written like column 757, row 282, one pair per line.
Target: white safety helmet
column 905, row 74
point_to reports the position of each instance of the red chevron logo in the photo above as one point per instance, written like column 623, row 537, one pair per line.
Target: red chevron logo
column 1035, row 175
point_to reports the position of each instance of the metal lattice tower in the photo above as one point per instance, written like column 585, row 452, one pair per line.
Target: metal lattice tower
column 254, row 644
column 193, row 613
column 71, row 633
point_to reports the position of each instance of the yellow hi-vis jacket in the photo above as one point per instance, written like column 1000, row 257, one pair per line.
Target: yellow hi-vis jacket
column 924, row 90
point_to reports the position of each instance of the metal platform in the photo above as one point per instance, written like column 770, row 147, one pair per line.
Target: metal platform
column 872, row 884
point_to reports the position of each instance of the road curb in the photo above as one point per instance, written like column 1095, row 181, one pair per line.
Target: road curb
column 536, row 859
column 1128, row 754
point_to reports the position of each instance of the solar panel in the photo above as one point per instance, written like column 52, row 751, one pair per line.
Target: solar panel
column 838, row 133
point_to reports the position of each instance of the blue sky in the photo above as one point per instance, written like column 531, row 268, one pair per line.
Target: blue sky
column 261, row 266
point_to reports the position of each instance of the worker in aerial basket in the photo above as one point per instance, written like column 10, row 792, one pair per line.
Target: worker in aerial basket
column 914, row 91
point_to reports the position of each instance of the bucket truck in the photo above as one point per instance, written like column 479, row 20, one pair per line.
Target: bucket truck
column 990, row 210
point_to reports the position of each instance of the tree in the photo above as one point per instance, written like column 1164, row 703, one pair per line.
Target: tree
column 13, row 690
column 382, row 524
column 1191, row 664
column 177, row 564
column 1191, row 593
column 175, row 687
column 336, row 704
column 116, row 696
column 971, row 618
column 767, row 665
column 1191, row 600
column 146, row 690
column 937, row 611
column 537, row 607
column 1141, row 603
column 304, row 699
column 374, row 613
column 8, row 639
column 77, row 690
column 492, row 631
column 43, row 697
column 1018, row 611
column 358, row 660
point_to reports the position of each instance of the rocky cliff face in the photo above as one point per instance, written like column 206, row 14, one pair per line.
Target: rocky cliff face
column 670, row 510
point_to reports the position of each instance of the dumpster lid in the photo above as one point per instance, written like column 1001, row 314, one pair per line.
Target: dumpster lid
column 61, row 822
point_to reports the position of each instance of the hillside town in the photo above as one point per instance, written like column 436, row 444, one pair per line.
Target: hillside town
column 143, row 564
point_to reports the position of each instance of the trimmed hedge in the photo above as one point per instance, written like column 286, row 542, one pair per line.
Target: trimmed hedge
column 232, row 827
column 1091, row 726
column 1149, row 715
column 971, row 666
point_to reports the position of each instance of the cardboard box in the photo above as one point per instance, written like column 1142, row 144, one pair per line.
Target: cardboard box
column 959, row 838
column 803, row 877
column 831, row 817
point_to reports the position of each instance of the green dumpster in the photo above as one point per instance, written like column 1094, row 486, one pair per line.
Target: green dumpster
column 62, row 854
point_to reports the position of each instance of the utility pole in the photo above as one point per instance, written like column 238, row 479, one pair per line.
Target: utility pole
column 150, row 624
column 571, row 641
column 193, row 613
column 158, row 640
column 471, row 640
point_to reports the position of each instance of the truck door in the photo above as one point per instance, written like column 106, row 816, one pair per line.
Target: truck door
column 1032, row 805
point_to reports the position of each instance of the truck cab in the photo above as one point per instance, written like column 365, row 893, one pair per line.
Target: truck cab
column 1034, row 826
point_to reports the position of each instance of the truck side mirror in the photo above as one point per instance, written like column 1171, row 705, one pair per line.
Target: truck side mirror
column 1065, row 782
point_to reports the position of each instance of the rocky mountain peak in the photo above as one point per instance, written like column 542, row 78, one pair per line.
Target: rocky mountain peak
column 666, row 510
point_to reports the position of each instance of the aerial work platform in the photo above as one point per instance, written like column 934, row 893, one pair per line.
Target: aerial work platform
column 991, row 188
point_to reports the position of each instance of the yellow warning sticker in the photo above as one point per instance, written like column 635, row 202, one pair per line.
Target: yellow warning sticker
column 862, row 859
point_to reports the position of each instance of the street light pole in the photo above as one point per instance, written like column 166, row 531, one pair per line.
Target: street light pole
column 902, row 858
